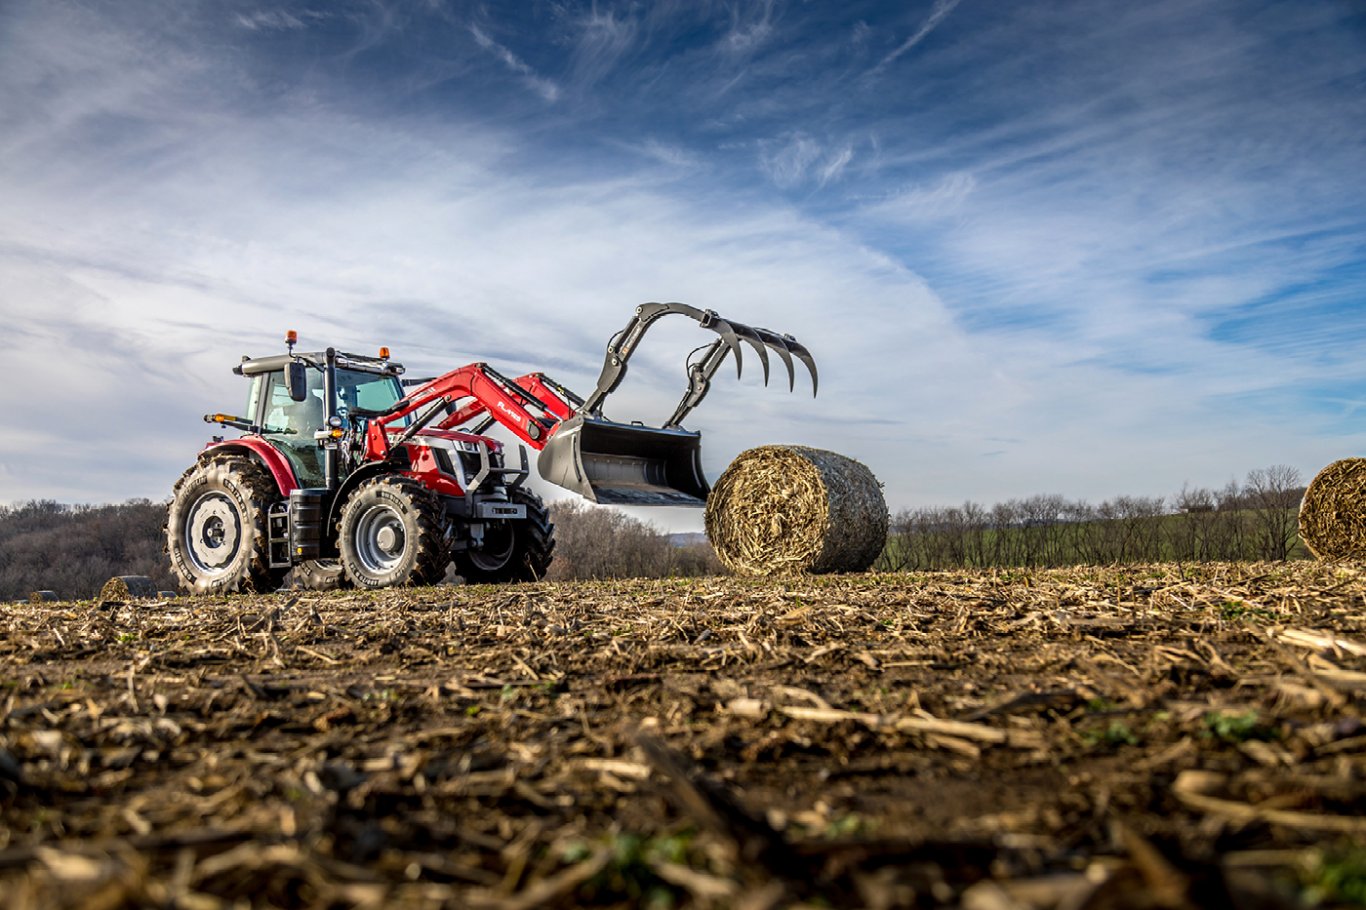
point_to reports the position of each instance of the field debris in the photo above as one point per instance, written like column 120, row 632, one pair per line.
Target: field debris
column 1333, row 511
column 788, row 509
column 1154, row 736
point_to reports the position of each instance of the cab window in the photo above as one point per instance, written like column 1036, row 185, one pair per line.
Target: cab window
column 284, row 414
column 252, row 413
column 368, row 391
column 290, row 425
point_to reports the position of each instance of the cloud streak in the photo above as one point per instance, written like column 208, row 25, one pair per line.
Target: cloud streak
column 547, row 89
column 938, row 14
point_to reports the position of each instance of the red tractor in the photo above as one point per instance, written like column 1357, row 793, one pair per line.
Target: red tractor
column 348, row 474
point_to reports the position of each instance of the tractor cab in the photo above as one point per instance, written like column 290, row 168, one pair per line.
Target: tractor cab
column 291, row 411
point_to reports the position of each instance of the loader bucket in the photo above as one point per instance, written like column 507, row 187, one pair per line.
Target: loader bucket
column 625, row 464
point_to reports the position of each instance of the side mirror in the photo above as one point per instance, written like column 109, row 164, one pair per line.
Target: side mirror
column 296, row 380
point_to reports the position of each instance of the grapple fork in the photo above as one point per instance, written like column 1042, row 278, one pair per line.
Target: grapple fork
column 632, row 464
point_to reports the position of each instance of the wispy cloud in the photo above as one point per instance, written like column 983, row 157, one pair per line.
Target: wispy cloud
column 938, row 13
column 673, row 156
column 751, row 25
column 546, row 88
column 797, row 158
column 278, row 19
column 601, row 41
column 835, row 163
column 942, row 198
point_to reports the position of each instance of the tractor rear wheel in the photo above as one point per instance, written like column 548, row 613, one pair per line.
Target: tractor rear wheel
column 516, row 550
column 216, row 527
column 393, row 531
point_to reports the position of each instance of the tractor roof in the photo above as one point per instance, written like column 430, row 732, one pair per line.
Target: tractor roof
column 250, row 366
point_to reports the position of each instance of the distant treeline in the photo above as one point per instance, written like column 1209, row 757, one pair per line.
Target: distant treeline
column 1255, row 520
column 74, row 550
column 594, row 542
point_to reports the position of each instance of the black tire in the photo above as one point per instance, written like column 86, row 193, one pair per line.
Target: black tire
column 393, row 531
column 216, row 527
column 517, row 550
column 321, row 575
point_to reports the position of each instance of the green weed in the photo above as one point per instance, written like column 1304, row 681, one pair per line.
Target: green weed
column 1115, row 734
column 629, row 875
column 1237, row 728
column 1337, row 877
column 1237, row 609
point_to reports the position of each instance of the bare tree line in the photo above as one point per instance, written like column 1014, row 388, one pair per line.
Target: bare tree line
column 1252, row 520
column 74, row 550
column 596, row 542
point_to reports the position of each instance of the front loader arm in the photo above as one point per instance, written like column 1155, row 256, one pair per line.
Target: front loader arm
column 530, row 419
column 536, row 389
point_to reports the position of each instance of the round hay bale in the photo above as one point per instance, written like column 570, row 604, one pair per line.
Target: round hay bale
column 1333, row 511
column 38, row 597
column 128, row 587
column 786, row 509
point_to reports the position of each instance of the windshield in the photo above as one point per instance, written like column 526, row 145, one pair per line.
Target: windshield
column 368, row 391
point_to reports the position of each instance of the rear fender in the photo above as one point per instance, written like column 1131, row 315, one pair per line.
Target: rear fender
column 263, row 452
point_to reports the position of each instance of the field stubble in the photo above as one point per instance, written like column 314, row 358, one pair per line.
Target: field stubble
column 1140, row 736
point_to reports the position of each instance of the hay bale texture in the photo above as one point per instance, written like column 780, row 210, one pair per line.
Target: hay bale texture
column 128, row 587
column 1333, row 511
column 789, row 509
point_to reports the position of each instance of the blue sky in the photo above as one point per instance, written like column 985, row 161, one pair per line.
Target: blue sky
column 1090, row 248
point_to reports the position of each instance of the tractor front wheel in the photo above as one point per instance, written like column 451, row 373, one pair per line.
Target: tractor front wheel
column 393, row 531
column 216, row 531
column 516, row 550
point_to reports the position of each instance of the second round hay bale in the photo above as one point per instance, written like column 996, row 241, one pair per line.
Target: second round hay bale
column 1333, row 511
column 786, row 509
column 38, row 597
column 128, row 587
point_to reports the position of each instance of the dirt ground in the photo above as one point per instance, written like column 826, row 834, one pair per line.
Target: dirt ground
column 1098, row 738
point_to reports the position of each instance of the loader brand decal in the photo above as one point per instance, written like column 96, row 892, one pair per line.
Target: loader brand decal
column 507, row 410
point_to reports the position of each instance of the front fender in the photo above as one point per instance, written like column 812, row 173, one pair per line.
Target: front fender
column 357, row 477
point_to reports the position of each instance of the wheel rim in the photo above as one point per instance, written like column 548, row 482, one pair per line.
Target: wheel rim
column 380, row 539
column 497, row 549
column 213, row 533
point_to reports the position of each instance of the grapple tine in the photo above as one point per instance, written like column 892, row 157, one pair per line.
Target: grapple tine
column 775, row 341
column 700, row 370
column 755, row 342
column 731, row 338
column 802, row 354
